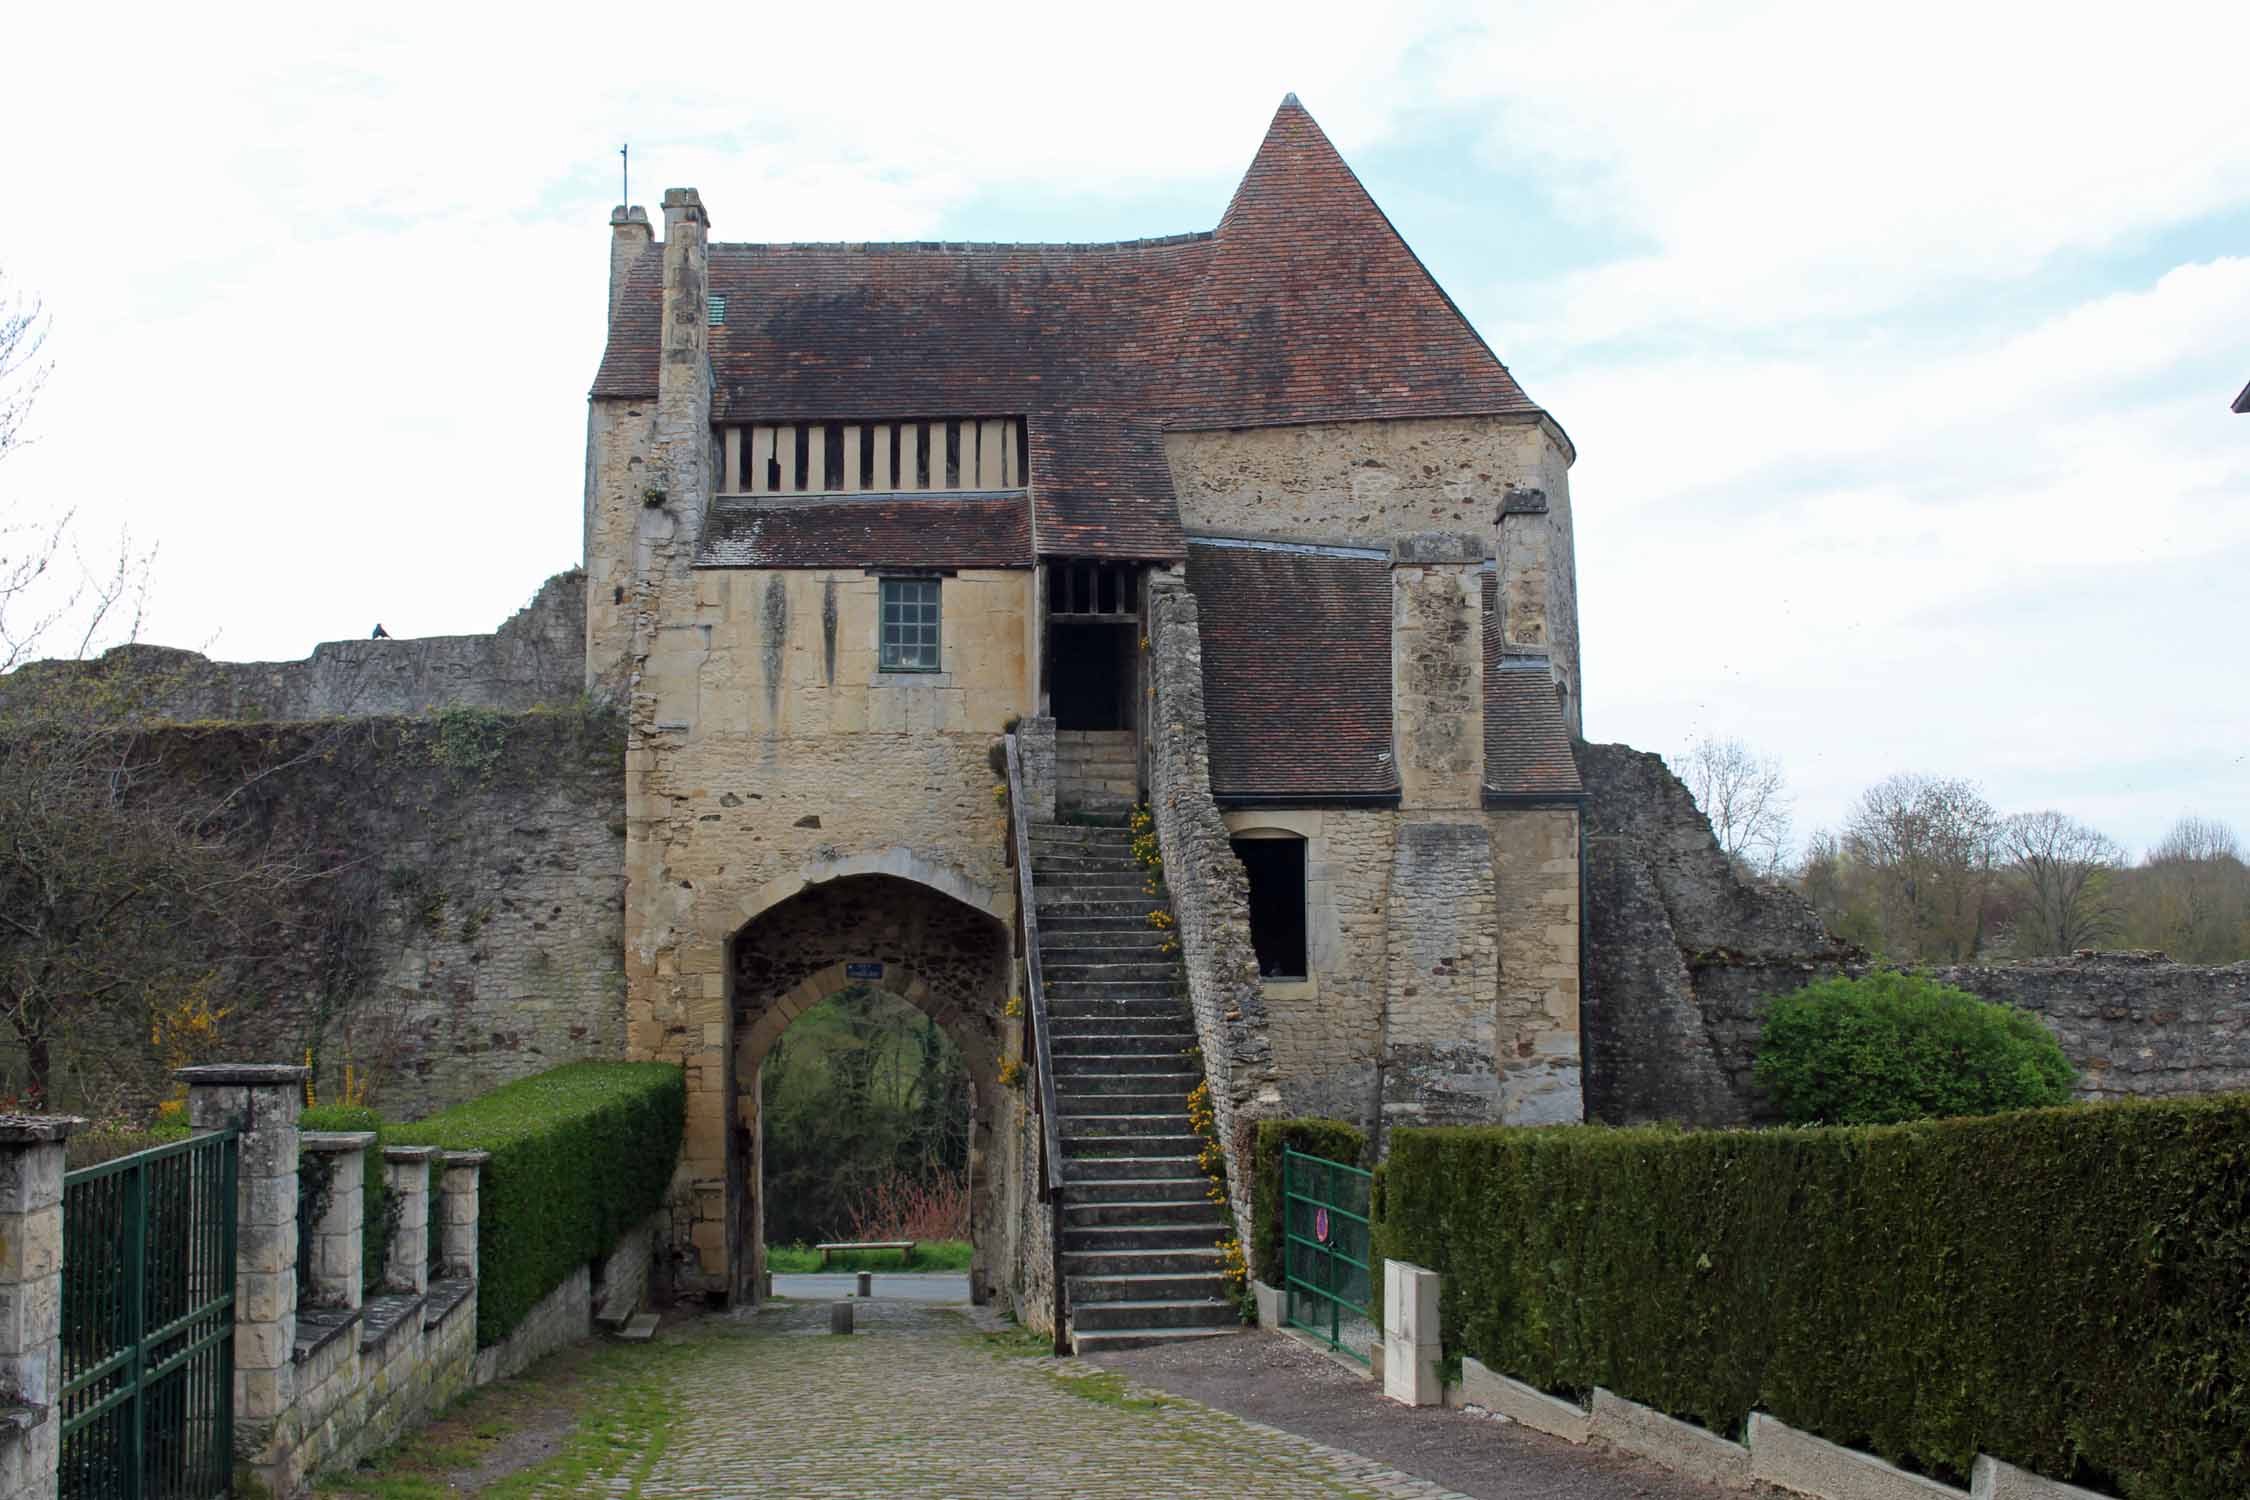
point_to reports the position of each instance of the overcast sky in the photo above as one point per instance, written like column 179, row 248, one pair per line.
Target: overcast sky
column 1897, row 342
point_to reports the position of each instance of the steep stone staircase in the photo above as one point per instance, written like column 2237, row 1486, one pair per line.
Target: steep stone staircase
column 1140, row 1237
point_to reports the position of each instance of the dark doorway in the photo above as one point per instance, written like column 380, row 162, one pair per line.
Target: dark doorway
column 1090, row 675
column 1276, row 867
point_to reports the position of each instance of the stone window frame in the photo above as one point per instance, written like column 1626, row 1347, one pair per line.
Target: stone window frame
column 1303, row 843
column 902, row 593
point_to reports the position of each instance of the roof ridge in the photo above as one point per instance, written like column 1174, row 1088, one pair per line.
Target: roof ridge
column 1183, row 237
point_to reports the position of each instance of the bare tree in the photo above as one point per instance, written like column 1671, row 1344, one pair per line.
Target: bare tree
column 2191, row 894
column 1927, row 844
column 1746, row 799
column 2066, row 875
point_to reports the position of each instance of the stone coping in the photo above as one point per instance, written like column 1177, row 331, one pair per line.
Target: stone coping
column 466, row 1158
column 318, row 1327
column 410, row 1153
column 254, row 1074
column 385, row 1315
column 446, row 1294
column 335, row 1140
column 32, row 1130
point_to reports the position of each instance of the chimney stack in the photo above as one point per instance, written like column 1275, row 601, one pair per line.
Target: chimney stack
column 629, row 235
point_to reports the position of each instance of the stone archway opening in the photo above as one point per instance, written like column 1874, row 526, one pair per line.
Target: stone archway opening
column 944, row 957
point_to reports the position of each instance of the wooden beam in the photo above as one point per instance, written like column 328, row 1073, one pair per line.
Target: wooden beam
column 816, row 455
column 761, row 459
column 785, row 438
column 992, row 471
column 1011, row 462
column 851, row 456
column 883, row 433
column 732, row 483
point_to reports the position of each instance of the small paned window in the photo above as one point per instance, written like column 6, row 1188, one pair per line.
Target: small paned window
column 1276, row 867
column 910, row 624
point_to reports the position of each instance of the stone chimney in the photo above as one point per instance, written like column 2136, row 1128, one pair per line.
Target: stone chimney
column 1437, row 669
column 680, row 477
column 1523, row 572
column 629, row 235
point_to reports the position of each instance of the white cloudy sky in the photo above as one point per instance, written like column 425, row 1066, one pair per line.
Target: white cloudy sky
column 1897, row 342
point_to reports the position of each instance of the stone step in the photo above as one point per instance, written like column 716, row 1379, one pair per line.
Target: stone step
column 1170, row 1045
column 1067, row 904
column 1101, row 927
column 1172, row 1123
column 1173, row 1022
column 1153, row 1313
column 1168, row 1166
column 1064, row 863
column 1090, row 1147
column 1155, row 974
column 1111, row 1085
column 1191, row 1187
column 1143, row 1211
column 1076, row 1104
column 1079, row 1065
column 1096, row 1342
column 1115, row 1239
column 1074, row 833
column 1201, row 1261
column 1118, row 1009
column 1102, row 989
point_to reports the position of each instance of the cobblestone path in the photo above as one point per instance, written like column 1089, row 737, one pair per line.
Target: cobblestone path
column 917, row 1403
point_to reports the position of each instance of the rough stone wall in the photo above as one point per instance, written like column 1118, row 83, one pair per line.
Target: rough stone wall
column 1442, row 957
column 1682, row 956
column 1368, row 483
column 355, row 1398
column 1026, row 1283
column 537, row 659
column 1535, row 872
column 479, row 874
column 1210, row 894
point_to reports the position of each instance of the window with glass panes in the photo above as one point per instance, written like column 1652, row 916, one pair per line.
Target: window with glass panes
column 910, row 624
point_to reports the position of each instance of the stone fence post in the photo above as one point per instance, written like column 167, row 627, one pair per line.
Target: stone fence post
column 262, row 1100
column 459, row 1212
column 1035, row 747
column 407, row 1170
column 31, row 1251
column 337, row 1251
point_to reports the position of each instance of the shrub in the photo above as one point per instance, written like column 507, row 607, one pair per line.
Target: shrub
column 1894, row 1047
column 1333, row 1139
column 2061, row 1288
column 580, row 1154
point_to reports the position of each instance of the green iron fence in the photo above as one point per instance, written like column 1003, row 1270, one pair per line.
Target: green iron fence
column 148, row 1324
column 1329, row 1281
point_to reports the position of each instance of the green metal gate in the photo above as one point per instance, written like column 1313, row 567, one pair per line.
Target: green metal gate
column 148, row 1324
column 1330, row 1284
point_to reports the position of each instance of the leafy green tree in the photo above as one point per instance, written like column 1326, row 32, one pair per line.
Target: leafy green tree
column 1891, row 1047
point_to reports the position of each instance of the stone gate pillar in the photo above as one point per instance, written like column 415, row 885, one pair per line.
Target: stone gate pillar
column 31, row 1252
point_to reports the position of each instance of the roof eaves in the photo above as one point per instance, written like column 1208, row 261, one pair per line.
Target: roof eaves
column 2242, row 402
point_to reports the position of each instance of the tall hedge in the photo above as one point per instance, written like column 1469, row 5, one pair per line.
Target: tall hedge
column 580, row 1154
column 2065, row 1289
column 1333, row 1139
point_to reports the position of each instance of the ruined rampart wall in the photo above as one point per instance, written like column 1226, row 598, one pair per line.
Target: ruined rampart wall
column 1683, row 954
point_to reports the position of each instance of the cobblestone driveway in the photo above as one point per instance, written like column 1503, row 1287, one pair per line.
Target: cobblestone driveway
column 916, row 1403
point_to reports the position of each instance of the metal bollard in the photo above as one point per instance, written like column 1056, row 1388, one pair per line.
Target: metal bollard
column 866, row 1284
column 839, row 1317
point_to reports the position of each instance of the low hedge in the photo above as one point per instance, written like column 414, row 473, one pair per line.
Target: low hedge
column 580, row 1154
column 1333, row 1139
column 2064, row 1289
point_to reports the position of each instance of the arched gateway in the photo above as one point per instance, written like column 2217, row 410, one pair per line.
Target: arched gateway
column 947, row 958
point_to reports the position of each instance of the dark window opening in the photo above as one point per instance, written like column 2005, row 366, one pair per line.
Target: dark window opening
column 1276, row 868
column 832, row 456
column 1090, row 675
column 952, row 432
column 867, row 457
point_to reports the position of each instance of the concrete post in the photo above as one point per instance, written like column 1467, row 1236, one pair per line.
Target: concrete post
column 262, row 1100
column 463, row 1174
column 31, row 1252
column 1410, row 1335
column 337, row 1249
column 406, row 1171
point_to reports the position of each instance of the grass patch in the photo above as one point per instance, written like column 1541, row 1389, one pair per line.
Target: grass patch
column 611, row 1406
column 1016, row 1342
column 937, row 1255
column 1108, row 1388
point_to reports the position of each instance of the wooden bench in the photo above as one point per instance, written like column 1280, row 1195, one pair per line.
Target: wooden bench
column 905, row 1248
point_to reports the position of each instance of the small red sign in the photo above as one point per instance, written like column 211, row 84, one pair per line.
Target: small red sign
column 1320, row 1225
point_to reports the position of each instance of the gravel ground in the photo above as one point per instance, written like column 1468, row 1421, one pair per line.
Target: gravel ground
column 1280, row 1381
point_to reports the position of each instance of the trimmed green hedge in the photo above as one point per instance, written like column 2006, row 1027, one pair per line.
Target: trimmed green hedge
column 375, row 1189
column 1333, row 1139
column 580, row 1154
column 2065, row 1289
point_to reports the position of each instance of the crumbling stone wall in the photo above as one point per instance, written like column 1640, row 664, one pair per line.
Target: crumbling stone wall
column 475, row 903
column 1535, row 872
column 537, row 659
column 1210, row 894
column 1682, row 956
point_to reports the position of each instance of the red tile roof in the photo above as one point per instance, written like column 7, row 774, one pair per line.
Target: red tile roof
column 1304, row 305
column 1296, row 671
column 1527, row 754
column 915, row 531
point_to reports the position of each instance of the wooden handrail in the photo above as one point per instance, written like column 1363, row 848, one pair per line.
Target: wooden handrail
column 1035, row 1010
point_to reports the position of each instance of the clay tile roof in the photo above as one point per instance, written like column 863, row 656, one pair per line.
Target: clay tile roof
column 1526, row 745
column 1296, row 671
column 1304, row 305
column 920, row 531
column 2242, row 402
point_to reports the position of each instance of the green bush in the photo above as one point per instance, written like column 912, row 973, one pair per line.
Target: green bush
column 2063, row 1289
column 1893, row 1047
column 1333, row 1139
column 580, row 1154
column 374, row 1189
